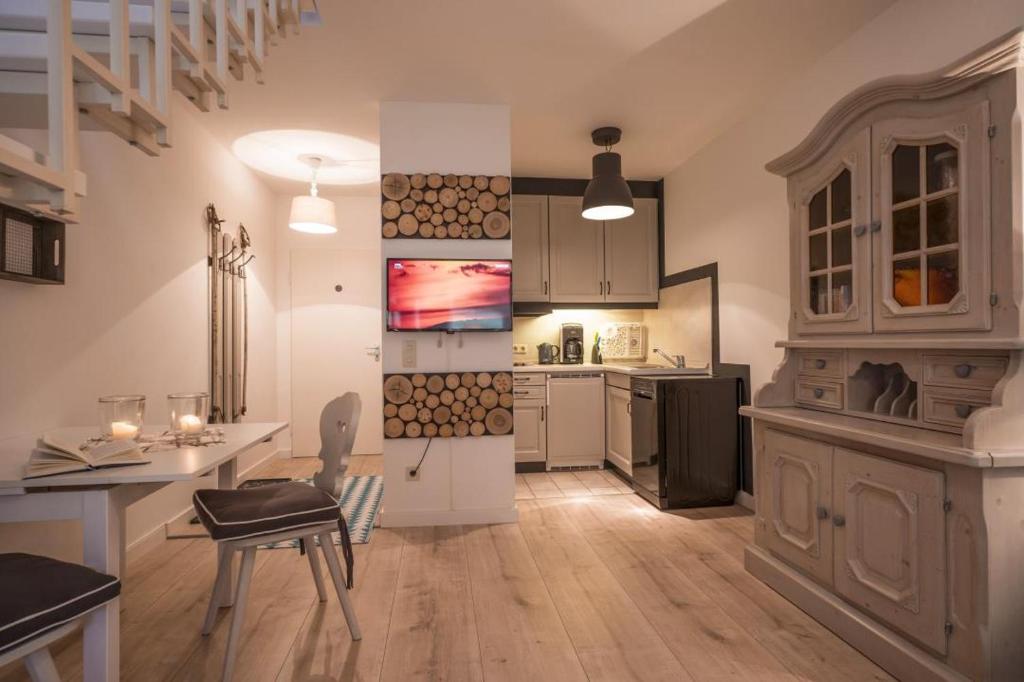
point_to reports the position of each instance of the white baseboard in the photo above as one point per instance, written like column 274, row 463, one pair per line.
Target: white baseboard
column 446, row 517
column 745, row 499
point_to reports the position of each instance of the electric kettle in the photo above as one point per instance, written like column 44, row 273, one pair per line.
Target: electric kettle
column 547, row 353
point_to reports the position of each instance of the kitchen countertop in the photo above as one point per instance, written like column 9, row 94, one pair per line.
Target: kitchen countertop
column 640, row 369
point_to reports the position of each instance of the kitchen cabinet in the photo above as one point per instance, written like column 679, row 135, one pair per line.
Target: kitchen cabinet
column 619, row 428
column 530, row 247
column 530, row 417
column 631, row 255
column 577, row 253
column 575, row 417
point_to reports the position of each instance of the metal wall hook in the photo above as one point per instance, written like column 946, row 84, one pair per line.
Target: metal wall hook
column 227, row 255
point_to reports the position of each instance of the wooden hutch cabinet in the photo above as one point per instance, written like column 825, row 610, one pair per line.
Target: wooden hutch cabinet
column 889, row 445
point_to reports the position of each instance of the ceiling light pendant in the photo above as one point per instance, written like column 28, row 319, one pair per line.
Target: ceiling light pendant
column 607, row 196
column 311, row 213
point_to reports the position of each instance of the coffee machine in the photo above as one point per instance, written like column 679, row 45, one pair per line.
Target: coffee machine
column 572, row 343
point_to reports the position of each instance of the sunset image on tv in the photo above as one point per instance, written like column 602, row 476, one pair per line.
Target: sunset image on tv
column 449, row 295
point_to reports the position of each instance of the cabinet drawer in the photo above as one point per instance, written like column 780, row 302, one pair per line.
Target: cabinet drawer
column 529, row 392
column 821, row 363
column 952, row 408
column 819, row 394
column 963, row 371
column 528, row 379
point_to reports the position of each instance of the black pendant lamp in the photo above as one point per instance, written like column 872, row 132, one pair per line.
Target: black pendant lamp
column 607, row 196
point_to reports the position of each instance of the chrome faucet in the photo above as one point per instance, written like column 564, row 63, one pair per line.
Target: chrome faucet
column 678, row 361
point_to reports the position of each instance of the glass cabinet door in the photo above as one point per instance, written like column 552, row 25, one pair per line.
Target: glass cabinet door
column 834, row 252
column 932, row 254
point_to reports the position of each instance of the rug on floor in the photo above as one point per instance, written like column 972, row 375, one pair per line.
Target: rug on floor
column 360, row 502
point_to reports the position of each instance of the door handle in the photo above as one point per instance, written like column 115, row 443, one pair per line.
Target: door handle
column 963, row 371
column 821, row 513
column 819, row 392
column 374, row 351
column 820, row 363
column 838, row 520
column 629, row 407
column 608, row 287
column 545, row 287
column 542, row 413
column 600, row 286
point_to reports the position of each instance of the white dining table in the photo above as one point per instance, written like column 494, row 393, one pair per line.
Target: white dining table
column 99, row 498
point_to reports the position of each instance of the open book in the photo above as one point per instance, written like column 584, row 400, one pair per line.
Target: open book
column 54, row 456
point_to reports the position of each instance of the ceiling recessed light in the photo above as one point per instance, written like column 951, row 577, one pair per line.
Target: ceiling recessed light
column 281, row 153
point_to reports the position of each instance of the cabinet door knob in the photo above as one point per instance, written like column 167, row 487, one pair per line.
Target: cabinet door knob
column 820, row 363
column 860, row 230
column 821, row 513
column 963, row 371
column 876, row 225
column 819, row 392
column 838, row 520
column 964, row 411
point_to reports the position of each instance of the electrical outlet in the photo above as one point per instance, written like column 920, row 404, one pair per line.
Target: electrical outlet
column 519, row 349
column 408, row 353
column 412, row 474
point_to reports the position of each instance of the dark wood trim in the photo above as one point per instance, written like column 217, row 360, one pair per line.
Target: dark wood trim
column 742, row 373
column 660, row 190
column 571, row 187
column 535, row 308
column 531, row 467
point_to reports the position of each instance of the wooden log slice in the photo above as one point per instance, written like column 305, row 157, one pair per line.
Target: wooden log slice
column 461, row 429
column 463, row 220
column 440, row 232
column 500, row 185
column 390, row 410
column 496, row 225
column 462, row 194
column 452, row 381
column 478, row 413
column 422, row 212
column 419, row 380
column 437, row 207
column 397, row 389
column 450, row 214
column 430, row 430
column 471, row 402
column 481, row 182
column 465, row 181
column 454, row 230
column 395, row 186
column 458, row 407
column 484, row 379
column 430, row 196
column 465, row 417
column 432, row 401
column 390, row 210
column 413, row 430
column 463, row 206
column 461, row 393
column 389, row 230
column 504, row 204
column 442, row 414
column 475, row 215
column 436, row 220
column 424, row 415
column 489, row 398
column 472, row 193
column 502, row 382
column 467, row 379
column 475, row 390
column 434, row 180
column 407, row 412
column 419, row 404
column 477, row 429
column 487, row 202
column 426, row 230
column 447, row 397
column 418, row 180
column 451, row 180
column 408, row 225
column 448, row 197
column 419, row 394
column 408, row 205
column 506, row 400
column 435, row 383
column 499, row 421
column 394, row 427
column 465, row 234
column 416, row 194
column 445, row 431
column 475, row 232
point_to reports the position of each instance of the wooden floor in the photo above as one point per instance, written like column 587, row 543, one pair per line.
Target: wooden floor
column 595, row 586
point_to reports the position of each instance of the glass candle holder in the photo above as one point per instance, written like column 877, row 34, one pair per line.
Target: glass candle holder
column 188, row 413
column 121, row 416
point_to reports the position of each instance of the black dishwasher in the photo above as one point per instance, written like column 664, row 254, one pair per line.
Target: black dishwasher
column 686, row 440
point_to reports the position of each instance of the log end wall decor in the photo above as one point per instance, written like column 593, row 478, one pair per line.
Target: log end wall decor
column 437, row 206
column 446, row 405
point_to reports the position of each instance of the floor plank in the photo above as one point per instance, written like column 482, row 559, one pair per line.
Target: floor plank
column 523, row 491
column 542, row 486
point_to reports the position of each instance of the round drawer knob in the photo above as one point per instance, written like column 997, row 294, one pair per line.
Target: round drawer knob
column 963, row 371
column 820, row 363
column 819, row 392
column 964, row 411
column 838, row 520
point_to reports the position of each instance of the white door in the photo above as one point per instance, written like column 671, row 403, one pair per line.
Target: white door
column 529, row 248
column 530, row 430
column 631, row 255
column 619, row 429
column 575, row 421
column 335, row 342
column 576, row 252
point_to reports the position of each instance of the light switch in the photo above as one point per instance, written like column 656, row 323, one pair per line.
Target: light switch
column 409, row 353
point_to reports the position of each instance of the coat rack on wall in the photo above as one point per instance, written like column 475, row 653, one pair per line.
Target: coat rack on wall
column 229, row 257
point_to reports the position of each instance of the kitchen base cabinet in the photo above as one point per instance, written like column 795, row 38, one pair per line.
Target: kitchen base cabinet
column 619, row 429
column 530, row 431
column 575, row 420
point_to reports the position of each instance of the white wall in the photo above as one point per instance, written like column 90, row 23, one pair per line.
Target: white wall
column 133, row 314
column 721, row 205
column 462, row 480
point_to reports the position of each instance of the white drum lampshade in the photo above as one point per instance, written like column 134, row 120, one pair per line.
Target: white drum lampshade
column 313, row 214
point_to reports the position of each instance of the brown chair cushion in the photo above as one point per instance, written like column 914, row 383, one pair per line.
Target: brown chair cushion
column 38, row 594
column 236, row 514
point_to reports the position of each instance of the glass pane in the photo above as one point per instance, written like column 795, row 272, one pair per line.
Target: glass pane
column 943, row 220
column 906, row 229
column 819, row 251
column 841, row 206
column 906, row 282
column 906, row 180
column 941, row 162
column 819, row 294
column 943, row 277
column 817, row 214
column 842, row 247
column 842, row 291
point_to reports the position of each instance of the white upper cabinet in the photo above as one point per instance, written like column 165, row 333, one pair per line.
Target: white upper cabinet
column 530, row 247
column 631, row 255
column 831, row 213
column 577, row 253
column 933, row 252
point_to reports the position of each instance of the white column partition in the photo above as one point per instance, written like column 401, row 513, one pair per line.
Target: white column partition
column 462, row 480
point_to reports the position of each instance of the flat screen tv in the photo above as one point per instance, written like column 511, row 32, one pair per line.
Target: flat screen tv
column 433, row 295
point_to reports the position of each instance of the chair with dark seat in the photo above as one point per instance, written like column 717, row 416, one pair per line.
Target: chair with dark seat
column 42, row 600
column 243, row 519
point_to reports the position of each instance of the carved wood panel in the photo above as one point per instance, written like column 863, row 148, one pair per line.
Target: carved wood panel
column 436, row 206
column 449, row 404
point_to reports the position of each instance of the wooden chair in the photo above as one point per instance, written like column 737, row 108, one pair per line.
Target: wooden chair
column 241, row 520
column 41, row 601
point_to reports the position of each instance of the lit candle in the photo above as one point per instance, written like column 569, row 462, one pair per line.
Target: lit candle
column 190, row 423
column 123, row 430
